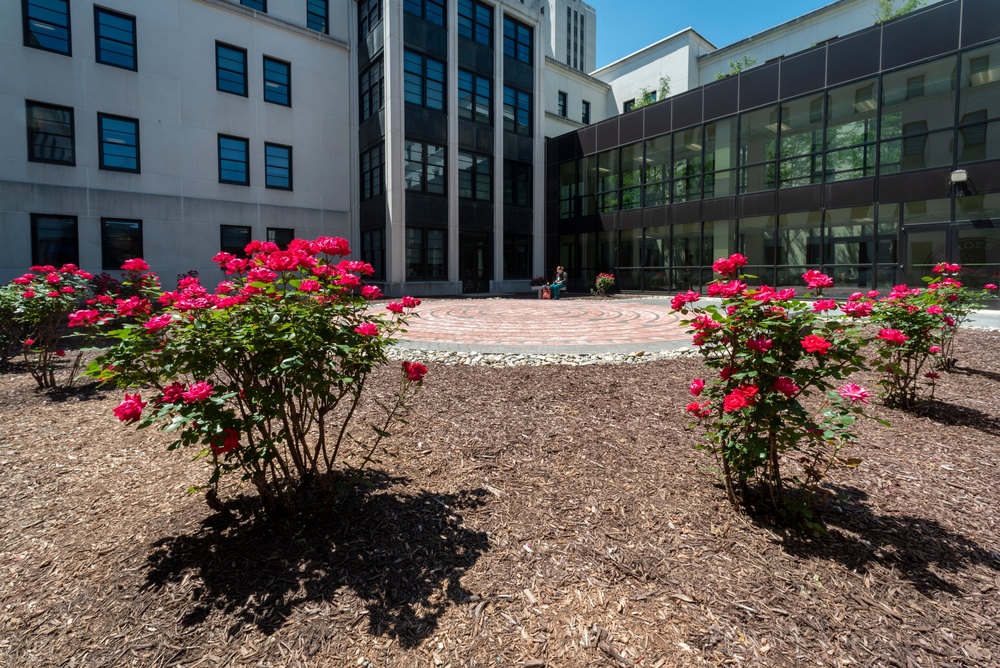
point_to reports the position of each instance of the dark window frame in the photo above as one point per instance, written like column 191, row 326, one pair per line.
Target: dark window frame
column 476, row 176
column 318, row 20
column 286, row 93
column 471, row 23
column 512, row 120
column 257, row 5
column 432, row 11
column 562, row 100
column 98, row 38
column 421, row 270
column 36, row 258
column 27, row 19
column 246, row 160
column 33, row 136
column 465, row 77
column 425, row 166
column 518, row 41
column 413, row 79
column 585, row 112
column 276, row 235
column 108, row 259
column 238, row 251
column 369, row 16
column 371, row 93
column 102, row 141
column 219, row 46
column 268, row 166
column 372, row 172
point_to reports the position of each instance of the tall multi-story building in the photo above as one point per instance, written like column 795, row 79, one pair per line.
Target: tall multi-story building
column 871, row 156
column 171, row 129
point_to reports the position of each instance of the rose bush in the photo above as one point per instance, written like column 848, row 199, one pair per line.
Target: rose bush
column 264, row 373
column 37, row 303
column 603, row 284
column 766, row 351
column 917, row 328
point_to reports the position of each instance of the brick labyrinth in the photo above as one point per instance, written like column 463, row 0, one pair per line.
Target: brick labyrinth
column 528, row 325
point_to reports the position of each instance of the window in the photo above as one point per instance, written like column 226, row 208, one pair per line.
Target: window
column 46, row 25
column 424, row 168
column 277, row 166
column 372, row 85
column 585, row 113
column 277, row 81
column 115, row 35
column 475, row 176
column 51, row 134
column 657, row 171
column 233, row 165
column 516, row 111
column 371, row 173
column 628, row 106
column 234, row 239
column 431, row 11
column 475, row 22
column 517, row 41
column 426, row 254
column 317, row 13
column 475, row 94
column 281, row 236
column 423, row 81
column 119, row 142
column 121, row 240
column 516, row 255
column 259, row 5
column 230, row 69
column 516, row 183
column 369, row 16
column 373, row 250
column 561, row 105
column 54, row 240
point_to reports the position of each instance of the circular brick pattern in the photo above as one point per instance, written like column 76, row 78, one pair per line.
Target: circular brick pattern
column 543, row 326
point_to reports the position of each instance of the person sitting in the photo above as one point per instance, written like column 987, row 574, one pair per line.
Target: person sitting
column 558, row 282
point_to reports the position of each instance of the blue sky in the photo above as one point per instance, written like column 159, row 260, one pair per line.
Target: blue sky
column 624, row 26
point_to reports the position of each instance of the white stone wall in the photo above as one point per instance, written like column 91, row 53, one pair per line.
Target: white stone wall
column 173, row 95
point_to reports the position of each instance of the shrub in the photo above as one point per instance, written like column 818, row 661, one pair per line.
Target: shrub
column 917, row 326
column 768, row 350
column 603, row 284
column 263, row 375
column 39, row 302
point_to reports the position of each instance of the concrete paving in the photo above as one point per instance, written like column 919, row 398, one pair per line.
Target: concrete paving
column 570, row 326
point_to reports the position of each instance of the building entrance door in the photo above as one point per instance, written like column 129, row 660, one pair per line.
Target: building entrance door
column 475, row 261
column 973, row 245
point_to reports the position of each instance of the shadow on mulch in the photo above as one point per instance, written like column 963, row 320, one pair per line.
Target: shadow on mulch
column 968, row 371
column 914, row 547
column 954, row 415
column 86, row 392
column 403, row 554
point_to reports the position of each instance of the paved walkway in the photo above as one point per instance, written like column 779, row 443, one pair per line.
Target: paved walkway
column 535, row 326
column 564, row 326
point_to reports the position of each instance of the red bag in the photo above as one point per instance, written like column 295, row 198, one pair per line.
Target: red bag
column 546, row 293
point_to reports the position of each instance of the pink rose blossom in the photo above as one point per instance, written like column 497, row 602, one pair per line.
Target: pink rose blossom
column 157, row 322
column 817, row 279
column 729, row 266
column 84, row 318
column 696, row 386
column 854, row 392
column 309, row 285
column 130, row 409
column 172, row 394
column 990, row 286
column 934, row 350
column 816, row 344
column 821, row 305
column 60, row 353
column 680, row 300
column 371, row 292
column 893, row 336
column 366, row 329
column 934, row 309
column 198, row 392
column 741, row 397
column 333, row 246
column 135, row 264
column 395, row 307
column 760, row 345
column 699, row 410
column 410, row 302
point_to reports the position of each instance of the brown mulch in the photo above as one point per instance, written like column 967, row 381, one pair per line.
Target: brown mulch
column 531, row 516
